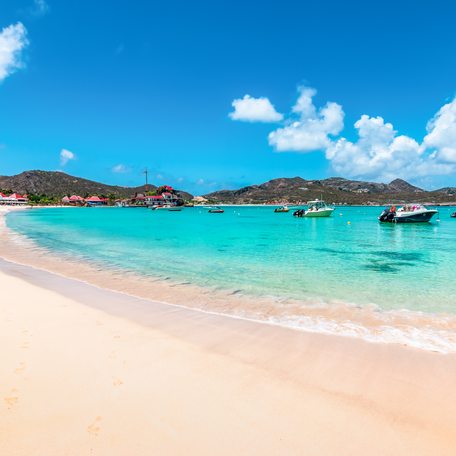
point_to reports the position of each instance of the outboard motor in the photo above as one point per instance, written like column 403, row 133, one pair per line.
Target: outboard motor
column 387, row 215
column 384, row 215
column 298, row 213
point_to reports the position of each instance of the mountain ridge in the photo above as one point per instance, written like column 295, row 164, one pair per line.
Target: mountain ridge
column 280, row 190
column 59, row 184
column 334, row 189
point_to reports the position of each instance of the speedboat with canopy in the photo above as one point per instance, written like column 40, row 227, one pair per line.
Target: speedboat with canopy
column 318, row 208
column 409, row 213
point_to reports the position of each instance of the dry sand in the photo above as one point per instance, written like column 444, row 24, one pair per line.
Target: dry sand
column 85, row 371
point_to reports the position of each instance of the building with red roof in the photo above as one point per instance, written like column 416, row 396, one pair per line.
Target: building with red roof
column 155, row 200
column 96, row 201
column 18, row 196
column 14, row 199
column 75, row 200
column 164, row 198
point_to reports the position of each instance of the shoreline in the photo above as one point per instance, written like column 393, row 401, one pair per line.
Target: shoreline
column 207, row 205
column 87, row 370
column 437, row 332
column 90, row 371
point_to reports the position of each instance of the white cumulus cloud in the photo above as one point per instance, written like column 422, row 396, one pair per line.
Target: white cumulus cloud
column 313, row 128
column 13, row 39
column 250, row 109
column 441, row 135
column 379, row 152
column 66, row 156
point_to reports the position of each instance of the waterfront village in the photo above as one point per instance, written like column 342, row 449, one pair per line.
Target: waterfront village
column 162, row 196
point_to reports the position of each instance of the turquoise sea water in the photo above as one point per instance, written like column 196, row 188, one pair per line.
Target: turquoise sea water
column 349, row 257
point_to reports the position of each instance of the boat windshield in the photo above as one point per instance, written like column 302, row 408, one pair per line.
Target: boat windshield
column 411, row 208
column 316, row 205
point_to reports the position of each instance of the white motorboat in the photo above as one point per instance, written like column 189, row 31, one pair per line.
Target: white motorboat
column 167, row 207
column 409, row 213
column 318, row 208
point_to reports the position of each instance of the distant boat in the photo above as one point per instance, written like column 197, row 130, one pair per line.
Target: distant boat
column 318, row 208
column 453, row 215
column 167, row 207
column 129, row 205
column 409, row 213
column 281, row 209
column 216, row 210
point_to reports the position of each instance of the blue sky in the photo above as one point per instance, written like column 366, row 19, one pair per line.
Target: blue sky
column 121, row 85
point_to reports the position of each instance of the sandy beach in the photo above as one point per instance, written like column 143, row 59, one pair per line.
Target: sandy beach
column 86, row 371
column 227, row 228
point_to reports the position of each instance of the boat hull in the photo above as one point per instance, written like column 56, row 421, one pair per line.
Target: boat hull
column 166, row 208
column 420, row 217
column 322, row 213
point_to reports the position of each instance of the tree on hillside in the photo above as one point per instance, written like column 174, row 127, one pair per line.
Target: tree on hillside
column 164, row 189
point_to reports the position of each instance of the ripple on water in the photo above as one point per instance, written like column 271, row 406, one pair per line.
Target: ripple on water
column 268, row 257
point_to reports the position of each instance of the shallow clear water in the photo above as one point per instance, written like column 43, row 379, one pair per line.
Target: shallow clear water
column 348, row 257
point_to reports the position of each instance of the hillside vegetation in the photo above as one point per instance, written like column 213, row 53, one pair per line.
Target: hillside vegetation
column 57, row 184
column 333, row 190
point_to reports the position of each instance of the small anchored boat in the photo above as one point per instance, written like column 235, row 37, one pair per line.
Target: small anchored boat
column 281, row 209
column 453, row 215
column 317, row 208
column 167, row 207
column 409, row 213
column 216, row 210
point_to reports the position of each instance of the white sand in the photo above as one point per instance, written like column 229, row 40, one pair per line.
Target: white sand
column 152, row 379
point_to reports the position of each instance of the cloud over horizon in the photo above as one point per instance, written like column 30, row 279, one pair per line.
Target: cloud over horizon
column 379, row 152
column 13, row 39
column 120, row 169
column 66, row 156
column 250, row 109
column 442, row 133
